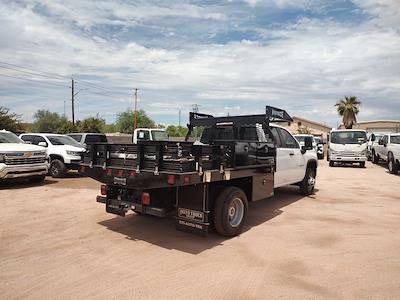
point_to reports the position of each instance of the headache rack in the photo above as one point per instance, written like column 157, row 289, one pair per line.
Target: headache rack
column 272, row 114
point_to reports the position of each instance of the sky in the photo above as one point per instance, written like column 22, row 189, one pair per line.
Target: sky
column 228, row 57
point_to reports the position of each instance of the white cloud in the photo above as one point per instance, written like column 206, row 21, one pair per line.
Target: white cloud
column 304, row 66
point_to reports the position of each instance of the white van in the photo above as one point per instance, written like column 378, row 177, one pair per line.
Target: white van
column 347, row 146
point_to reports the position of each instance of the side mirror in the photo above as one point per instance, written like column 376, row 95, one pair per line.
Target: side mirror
column 308, row 144
column 373, row 137
column 42, row 144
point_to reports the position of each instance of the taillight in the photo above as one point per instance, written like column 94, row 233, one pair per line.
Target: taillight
column 109, row 172
column 132, row 173
column 145, row 198
column 171, row 179
column 103, row 189
column 186, row 179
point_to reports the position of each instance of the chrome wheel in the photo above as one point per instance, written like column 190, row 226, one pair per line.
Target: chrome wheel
column 235, row 212
column 390, row 165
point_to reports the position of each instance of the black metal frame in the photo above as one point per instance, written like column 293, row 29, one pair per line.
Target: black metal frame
column 272, row 114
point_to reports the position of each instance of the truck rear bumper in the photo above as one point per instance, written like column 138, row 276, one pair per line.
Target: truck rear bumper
column 18, row 171
column 121, row 207
column 348, row 158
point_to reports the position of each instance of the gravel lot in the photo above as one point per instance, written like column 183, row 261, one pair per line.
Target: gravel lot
column 342, row 242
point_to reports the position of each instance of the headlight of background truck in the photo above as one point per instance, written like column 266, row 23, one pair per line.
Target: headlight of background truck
column 73, row 153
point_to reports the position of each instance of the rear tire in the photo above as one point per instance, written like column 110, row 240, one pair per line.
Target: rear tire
column 230, row 211
column 362, row 164
column 37, row 179
column 57, row 168
column 308, row 183
column 392, row 166
column 331, row 163
column 375, row 158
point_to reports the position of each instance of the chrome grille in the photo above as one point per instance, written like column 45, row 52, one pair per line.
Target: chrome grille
column 24, row 161
column 348, row 153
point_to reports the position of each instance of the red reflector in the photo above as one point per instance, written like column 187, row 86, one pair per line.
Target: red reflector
column 120, row 173
column 171, row 179
column 109, row 172
column 145, row 198
column 82, row 169
column 186, row 179
column 132, row 173
column 103, row 189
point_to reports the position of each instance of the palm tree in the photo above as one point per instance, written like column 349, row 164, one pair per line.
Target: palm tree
column 348, row 108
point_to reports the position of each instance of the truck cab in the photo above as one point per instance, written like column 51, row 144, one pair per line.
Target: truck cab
column 291, row 157
column 149, row 134
column 347, row 146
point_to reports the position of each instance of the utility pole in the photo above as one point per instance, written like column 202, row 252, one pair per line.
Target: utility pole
column 135, row 116
column 73, row 101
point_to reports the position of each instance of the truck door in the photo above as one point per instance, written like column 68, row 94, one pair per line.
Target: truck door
column 288, row 156
column 383, row 149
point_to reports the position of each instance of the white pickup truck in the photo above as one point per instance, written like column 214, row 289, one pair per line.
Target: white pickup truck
column 64, row 152
column 19, row 160
column 388, row 149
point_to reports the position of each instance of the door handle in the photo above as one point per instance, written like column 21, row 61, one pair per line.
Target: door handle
column 291, row 153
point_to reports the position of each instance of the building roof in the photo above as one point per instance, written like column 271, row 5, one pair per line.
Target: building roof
column 378, row 121
column 313, row 122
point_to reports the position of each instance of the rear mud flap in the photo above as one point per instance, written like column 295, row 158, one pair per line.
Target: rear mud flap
column 192, row 227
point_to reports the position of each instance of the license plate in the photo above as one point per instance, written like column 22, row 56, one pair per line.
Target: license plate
column 119, row 180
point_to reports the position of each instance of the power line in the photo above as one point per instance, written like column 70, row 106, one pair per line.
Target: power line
column 37, row 71
column 36, row 81
column 26, row 72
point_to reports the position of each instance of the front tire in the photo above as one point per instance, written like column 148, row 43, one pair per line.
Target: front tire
column 308, row 183
column 392, row 166
column 57, row 168
column 230, row 211
column 362, row 164
column 331, row 163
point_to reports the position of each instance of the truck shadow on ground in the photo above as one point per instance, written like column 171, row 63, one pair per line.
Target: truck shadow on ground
column 161, row 231
column 12, row 184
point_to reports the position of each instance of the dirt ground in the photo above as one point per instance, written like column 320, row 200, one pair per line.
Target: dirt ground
column 343, row 242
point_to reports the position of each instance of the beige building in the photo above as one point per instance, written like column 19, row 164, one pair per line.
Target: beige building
column 379, row 126
column 315, row 128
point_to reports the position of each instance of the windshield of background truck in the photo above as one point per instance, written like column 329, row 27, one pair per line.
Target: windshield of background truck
column 395, row 139
column 58, row 140
column 159, row 135
column 8, row 137
column 348, row 137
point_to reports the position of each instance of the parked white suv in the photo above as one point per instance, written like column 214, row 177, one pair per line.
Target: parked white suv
column 388, row 149
column 18, row 160
column 64, row 152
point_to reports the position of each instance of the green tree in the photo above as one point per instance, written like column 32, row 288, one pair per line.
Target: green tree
column 125, row 121
column 46, row 121
column 9, row 121
column 109, row 128
column 67, row 127
column 348, row 108
column 91, row 124
column 176, row 131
